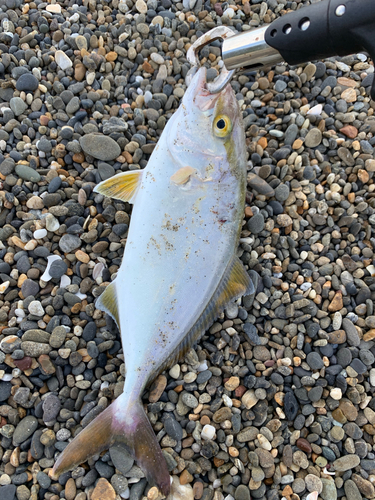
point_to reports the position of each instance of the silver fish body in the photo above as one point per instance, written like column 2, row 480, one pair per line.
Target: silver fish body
column 179, row 269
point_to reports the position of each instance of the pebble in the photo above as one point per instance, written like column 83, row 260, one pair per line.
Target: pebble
column 103, row 490
column 24, row 429
column 208, row 432
column 346, row 462
column 313, row 138
column 63, row 60
column 100, row 146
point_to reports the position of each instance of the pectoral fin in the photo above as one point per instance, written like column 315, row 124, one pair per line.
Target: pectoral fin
column 182, row 176
column 107, row 302
column 122, row 187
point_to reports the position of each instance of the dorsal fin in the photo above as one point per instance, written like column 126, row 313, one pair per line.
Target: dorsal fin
column 122, row 187
column 107, row 302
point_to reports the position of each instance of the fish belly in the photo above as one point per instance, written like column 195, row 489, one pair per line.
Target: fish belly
column 179, row 244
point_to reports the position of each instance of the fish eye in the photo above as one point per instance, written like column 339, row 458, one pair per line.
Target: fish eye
column 222, row 126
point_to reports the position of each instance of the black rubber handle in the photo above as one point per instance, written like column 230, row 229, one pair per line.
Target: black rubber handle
column 325, row 29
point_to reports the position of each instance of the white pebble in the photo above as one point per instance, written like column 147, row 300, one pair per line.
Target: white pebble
column 36, row 308
column 362, row 57
column 229, row 12
column 98, row 270
column 336, row 394
column 4, row 286
column 227, row 401
column 202, row 367
column 157, row 58
column 40, row 233
column 52, row 224
column 208, row 432
column 316, row 110
column 174, row 372
column 20, row 313
column 148, row 96
column 181, row 491
column 74, row 18
column 54, row 8
column 65, row 281
column 4, row 479
column 63, row 60
column 312, row 496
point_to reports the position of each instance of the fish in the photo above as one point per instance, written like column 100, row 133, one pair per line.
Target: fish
column 180, row 269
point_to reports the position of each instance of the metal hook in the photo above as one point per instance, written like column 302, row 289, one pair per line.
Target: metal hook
column 192, row 56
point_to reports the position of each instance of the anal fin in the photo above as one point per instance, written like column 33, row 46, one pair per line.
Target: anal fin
column 107, row 302
column 235, row 283
column 122, row 187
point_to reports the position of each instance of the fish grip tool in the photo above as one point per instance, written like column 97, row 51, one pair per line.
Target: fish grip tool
column 321, row 30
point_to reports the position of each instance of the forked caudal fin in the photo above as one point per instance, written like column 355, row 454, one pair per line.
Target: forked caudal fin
column 126, row 422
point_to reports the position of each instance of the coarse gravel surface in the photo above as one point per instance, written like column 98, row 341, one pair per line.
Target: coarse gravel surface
column 277, row 399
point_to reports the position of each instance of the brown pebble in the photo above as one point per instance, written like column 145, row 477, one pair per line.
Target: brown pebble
column 186, row 477
column 348, row 409
column 24, row 363
column 337, row 337
column 157, row 388
column 363, row 176
column 232, row 383
column 304, row 445
column 198, row 490
column 205, row 420
column 70, row 489
column 240, row 391
column 100, row 246
column 103, row 491
column 370, row 335
column 297, row 144
column 111, row 56
column 82, row 256
column 221, row 415
column 46, row 364
column 336, row 303
column 79, row 72
column 349, row 131
column 287, row 491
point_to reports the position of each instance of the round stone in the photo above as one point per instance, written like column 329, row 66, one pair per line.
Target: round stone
column 313, row 138
column 27, row 82
column 100, row 146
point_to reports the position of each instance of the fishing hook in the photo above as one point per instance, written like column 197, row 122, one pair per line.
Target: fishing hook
column 192, row 56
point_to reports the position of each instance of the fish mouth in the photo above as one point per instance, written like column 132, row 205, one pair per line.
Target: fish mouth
column 203, row 99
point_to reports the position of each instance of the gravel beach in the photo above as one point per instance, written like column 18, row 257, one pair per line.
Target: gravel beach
column 277, row 399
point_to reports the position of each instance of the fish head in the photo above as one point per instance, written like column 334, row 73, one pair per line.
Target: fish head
column 207, row 129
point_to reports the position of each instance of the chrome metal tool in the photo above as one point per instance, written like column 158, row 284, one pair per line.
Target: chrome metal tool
column 321, row 30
